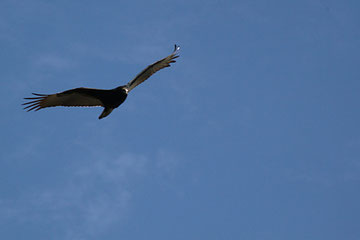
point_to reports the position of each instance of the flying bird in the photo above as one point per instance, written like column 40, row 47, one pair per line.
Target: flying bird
column 91, row 97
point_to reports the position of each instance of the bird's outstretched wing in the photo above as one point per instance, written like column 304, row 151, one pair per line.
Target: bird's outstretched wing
column 153, row 68
column 78, row 97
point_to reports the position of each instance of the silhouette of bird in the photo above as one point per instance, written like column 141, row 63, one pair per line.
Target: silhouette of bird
column 90, row 97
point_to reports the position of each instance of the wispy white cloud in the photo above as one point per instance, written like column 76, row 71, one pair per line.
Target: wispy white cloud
column 94, row 198
column 167, row 161
column 131, row 54
column 53, row 61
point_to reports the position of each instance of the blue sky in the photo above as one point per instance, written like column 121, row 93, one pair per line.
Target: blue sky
column 252, row 134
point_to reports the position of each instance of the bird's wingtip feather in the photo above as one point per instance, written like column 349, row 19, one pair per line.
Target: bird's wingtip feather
column 38, row 94
column 176, row 48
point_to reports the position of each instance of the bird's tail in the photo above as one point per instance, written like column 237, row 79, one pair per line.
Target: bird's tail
column 106, row 112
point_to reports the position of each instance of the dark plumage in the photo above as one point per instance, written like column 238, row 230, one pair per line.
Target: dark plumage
column 90, row 97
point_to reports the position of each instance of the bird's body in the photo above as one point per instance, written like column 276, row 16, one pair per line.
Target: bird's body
column 90, row 97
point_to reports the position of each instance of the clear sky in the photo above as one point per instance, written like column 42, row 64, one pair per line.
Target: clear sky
column 252, row 134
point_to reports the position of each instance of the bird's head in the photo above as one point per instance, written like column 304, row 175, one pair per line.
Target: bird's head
column 122, row 89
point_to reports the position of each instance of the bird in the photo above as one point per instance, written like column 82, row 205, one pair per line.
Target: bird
column 109, row 99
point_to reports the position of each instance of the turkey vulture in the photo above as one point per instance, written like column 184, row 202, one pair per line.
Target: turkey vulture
column 90, row 97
